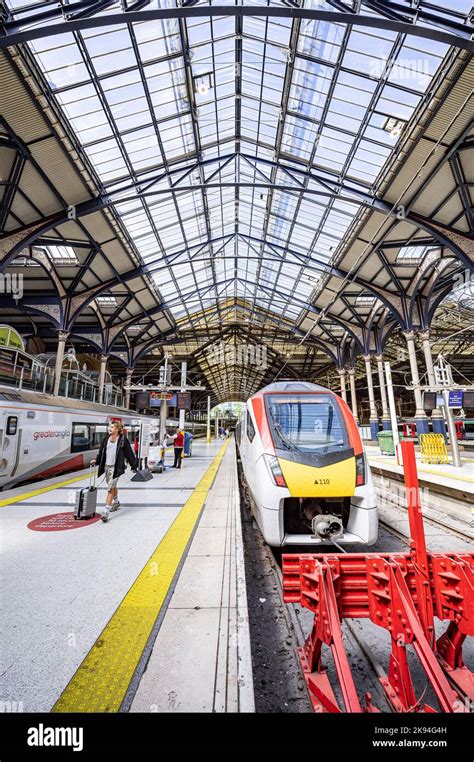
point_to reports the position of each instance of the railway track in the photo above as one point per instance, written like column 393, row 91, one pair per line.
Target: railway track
column 365, row 653
column 360, row 648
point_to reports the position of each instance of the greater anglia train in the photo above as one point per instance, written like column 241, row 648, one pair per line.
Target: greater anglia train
column 304, row 467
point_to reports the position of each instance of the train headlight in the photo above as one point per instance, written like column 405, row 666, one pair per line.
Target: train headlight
column 360, row 471
column 275, row 470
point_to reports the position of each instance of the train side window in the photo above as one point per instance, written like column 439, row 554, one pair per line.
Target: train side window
column 12, row 425
column 80, row 437
column 98, row 434
column 250, row 427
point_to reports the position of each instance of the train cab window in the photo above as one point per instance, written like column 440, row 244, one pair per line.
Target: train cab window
column 250, row 427
column 12, row 425
column 80, row 437
column 306, row 423
column 98, row 434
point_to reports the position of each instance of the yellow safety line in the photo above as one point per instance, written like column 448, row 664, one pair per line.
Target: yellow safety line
column 101, row 681
column 26, row 495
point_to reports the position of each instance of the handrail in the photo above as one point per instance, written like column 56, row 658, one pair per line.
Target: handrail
column 23, row 371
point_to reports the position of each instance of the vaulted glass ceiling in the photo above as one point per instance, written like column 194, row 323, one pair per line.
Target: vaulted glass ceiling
column 206, row 130
column 151, row 97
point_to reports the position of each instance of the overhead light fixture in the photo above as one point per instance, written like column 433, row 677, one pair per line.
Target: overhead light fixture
column 394, row 126
column 203, row 84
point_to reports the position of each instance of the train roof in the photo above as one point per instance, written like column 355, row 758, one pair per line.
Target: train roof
column 30, row 397
column 291, row 387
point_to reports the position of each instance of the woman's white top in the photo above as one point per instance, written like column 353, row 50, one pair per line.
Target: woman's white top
column 111, row 453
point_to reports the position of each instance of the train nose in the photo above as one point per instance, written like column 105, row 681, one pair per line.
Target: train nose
column 335, row 480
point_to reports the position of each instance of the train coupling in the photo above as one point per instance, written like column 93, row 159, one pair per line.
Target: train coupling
column 327, row 527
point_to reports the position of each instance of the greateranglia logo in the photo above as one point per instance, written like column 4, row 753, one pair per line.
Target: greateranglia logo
column 51, row 434
column 44, row 736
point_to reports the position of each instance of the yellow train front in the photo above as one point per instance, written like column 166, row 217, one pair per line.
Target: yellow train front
column 304, row 466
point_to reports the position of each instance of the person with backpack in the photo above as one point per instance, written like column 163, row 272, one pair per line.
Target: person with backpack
column 114, row 451
column 178, row 447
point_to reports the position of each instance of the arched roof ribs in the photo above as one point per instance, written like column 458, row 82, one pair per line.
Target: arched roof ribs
column 450, row 28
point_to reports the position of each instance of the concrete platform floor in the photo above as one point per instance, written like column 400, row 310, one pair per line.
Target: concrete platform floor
column 62, row 589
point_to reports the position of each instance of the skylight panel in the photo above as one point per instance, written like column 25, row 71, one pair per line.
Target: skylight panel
column 321, row 39
column 62, row 255
column 415, row 254
column 365, row 300
column 107, row 303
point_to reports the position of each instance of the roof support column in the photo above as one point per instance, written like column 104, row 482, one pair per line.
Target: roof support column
column 208, row 427
column 182, row 413
column 437, row 418
column 420, row 417
column 62, row 338
column 128, row 382
column 342, row 379
column 374, row 421
column 351, row 372
column 386, row 424
column 103, row 367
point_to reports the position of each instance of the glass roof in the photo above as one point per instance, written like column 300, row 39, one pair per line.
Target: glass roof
column 205, row 103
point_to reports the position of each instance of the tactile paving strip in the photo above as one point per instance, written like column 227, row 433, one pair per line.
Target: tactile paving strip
column 101, row 681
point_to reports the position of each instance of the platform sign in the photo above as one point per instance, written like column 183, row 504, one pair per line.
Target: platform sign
column 429, row 401
column 142, row 400
column 145, row 437
column 183, row 400
column 455, row 398
column 468, row 400
column 157, row 397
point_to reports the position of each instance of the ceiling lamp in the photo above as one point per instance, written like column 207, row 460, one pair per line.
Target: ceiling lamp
column 203, row 84
column 394, row 126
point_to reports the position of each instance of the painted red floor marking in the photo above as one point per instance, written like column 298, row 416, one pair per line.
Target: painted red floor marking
column 60, row 522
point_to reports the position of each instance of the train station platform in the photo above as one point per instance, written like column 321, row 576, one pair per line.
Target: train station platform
column 145, row 613
column 442, row 486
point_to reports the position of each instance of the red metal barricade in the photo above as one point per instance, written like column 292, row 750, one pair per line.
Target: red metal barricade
column 401, row 592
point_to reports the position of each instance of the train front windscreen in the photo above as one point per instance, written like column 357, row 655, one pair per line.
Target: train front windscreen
column 306, row 423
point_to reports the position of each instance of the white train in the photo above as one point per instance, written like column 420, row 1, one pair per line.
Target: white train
column 304, row 467
column 42, row 436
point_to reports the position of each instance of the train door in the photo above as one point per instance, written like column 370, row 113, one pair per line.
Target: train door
column 10, row 438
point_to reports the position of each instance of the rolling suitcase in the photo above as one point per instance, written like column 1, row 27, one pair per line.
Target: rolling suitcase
column 86, row 498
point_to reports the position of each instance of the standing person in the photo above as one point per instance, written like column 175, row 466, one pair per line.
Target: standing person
column 178, row 447
column 114, row 451
column 227, row 433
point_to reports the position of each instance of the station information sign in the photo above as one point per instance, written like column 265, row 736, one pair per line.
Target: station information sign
column 157, row 397
column 456, row 398
column 183, row 400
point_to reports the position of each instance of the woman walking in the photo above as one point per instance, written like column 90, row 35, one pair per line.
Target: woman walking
column 114, row 451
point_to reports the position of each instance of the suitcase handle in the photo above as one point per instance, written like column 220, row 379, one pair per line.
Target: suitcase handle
column 92, row 473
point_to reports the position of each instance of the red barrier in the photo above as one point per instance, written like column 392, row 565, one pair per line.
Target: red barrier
column 401, row 592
